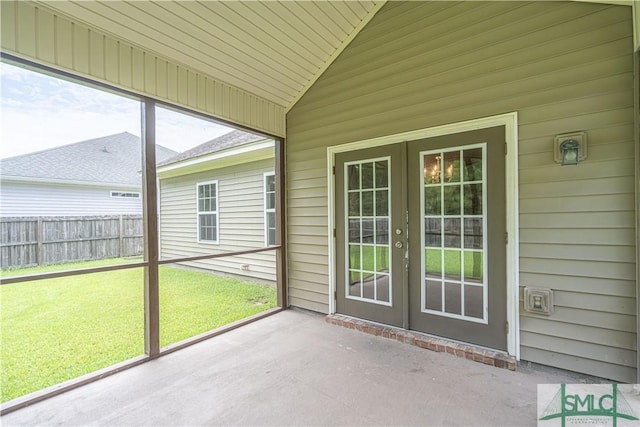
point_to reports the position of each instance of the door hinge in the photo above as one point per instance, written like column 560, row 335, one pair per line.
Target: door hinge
column 506, row 238
column 506, row 327
column 335, row 295
column 505, row 149
column 334, row 170
column 334, row 232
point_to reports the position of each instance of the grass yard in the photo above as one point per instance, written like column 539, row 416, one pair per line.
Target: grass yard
column 455, row 261
column 58, row 329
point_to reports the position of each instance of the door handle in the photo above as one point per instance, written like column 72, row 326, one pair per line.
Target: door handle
column 398, row 245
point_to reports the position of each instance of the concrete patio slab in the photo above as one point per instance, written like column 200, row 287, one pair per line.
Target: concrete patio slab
column 293, row 368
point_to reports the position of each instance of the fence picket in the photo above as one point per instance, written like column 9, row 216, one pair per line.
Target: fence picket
column 29, row 241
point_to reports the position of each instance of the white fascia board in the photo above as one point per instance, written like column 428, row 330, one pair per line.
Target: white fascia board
column 55, row 181
column 244, row 154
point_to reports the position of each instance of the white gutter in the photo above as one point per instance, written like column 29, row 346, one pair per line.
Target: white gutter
column 31, row 179
column 217, row 156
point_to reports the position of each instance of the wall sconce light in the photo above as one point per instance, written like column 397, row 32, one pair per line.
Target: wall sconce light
column 570, row 148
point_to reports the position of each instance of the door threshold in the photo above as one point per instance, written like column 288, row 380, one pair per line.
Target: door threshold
column 473, row 352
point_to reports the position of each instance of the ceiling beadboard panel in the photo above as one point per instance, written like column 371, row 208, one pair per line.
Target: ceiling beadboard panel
column 272, row 49
column 34, row 32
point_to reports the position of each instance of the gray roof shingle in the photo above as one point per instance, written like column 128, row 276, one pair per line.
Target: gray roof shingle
column 229, row 140
column 114, row 159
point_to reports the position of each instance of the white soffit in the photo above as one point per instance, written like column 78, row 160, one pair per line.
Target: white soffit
column 274, row 49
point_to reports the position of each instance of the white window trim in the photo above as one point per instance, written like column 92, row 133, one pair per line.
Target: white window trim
column 217, row 212
column 510, row 121
column 266, row 210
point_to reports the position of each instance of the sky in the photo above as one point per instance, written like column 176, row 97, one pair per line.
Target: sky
column 38, row 112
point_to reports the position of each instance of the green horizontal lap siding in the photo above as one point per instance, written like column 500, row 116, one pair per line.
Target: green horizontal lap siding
column 33, row 32
column 563, row 66
column 241, row 211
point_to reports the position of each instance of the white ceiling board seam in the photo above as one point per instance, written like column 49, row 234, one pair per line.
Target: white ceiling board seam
column 199, row 45
column 329, row 24
column 337, row 52
column 247, row 59
column 248, row 38
column 337, row 16
column 314, row 36
column 277, row 98
column 270, row 16
column 235, row 19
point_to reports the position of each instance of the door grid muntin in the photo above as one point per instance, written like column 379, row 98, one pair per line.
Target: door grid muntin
column 367, row 201
column 456, row 252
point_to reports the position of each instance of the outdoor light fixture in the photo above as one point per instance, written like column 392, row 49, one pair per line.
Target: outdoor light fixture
column 570, row 148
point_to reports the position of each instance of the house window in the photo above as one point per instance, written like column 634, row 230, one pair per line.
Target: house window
column 126, row 195
column 208, row 212
column 270, row 208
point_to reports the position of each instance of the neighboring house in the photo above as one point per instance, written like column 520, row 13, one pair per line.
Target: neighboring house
column 99, row 176
column 220, row 197
column 376, row 104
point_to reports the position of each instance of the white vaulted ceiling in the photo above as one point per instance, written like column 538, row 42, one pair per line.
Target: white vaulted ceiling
column 274, row 49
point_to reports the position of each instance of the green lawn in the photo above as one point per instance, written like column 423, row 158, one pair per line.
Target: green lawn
column 54, row 330
column 455, row 261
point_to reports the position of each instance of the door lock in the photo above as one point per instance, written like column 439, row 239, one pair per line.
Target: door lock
column 398, row 245
column 398, row 231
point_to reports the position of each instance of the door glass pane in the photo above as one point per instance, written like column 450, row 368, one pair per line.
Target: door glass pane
column 473, row 164
column 354, row 231
column 382, row 259
column 473, row 301
column 367, row 203
column 382, row 231
column 353, row 177
column 452, row 265
column 473, row 233
column 354, row 204
column 367, row 175
column 433, row 263
column 368, row 228
column 354, row 283
column 432, row 232
column 452, row 166
column 368, row 233
column 431, row 169
column 452, row 295
column 473, row 199
column 454, row 229
column 368, row 286
column 473, row 266
column 432, row 198
column 354, row 256
column 451, row 200
column 382, row 202
column 434, row 295
column 382, row 287
column 382, row 175
column 452, row 232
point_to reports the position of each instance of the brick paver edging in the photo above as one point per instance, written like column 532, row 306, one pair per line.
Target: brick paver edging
column 477, row 354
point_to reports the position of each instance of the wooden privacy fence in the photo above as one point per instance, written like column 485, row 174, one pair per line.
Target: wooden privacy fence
column 30, row 241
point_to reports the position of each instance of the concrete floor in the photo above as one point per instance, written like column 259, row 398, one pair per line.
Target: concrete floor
column 294, row 369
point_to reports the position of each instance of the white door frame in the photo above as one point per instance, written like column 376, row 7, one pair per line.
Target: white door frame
column 510, row 121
